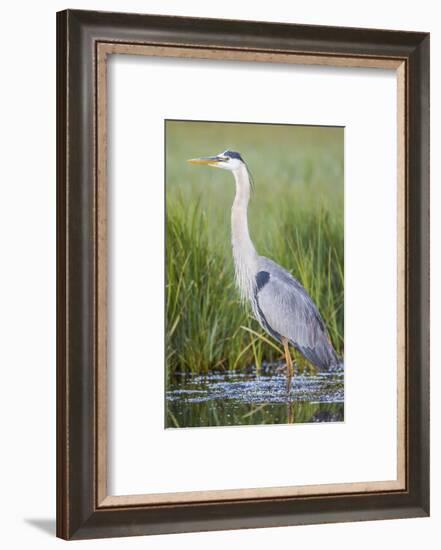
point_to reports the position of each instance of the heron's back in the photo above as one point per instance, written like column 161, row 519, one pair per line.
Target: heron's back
column 285, row 309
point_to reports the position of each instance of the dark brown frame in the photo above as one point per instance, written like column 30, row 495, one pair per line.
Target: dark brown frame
column 82, row 508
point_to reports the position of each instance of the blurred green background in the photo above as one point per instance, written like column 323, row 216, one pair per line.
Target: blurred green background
column 296, row 217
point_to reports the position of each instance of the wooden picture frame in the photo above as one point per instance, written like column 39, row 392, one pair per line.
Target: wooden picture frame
column 84, row 41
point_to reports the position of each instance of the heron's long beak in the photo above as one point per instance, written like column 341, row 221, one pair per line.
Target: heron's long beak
column 206, row 160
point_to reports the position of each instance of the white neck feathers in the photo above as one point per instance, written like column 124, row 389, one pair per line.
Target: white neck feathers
column 244, row 253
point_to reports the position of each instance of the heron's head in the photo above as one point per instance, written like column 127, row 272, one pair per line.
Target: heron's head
column 228, row 160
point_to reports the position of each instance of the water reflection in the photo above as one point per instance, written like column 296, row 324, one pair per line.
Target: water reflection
column 238, row 398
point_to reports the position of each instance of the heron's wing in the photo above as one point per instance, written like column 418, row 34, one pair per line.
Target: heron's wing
column 288, row 311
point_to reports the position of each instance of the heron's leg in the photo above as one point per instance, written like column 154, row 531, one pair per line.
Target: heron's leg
column 289, row 367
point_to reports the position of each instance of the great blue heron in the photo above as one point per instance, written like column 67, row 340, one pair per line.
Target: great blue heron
column 279, row 302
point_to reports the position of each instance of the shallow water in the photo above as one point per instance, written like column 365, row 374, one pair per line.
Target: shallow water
column 247, row 397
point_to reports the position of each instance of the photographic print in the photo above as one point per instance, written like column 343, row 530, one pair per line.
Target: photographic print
column 254, row 274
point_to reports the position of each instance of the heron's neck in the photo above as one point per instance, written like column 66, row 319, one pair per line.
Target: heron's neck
column 244, row 253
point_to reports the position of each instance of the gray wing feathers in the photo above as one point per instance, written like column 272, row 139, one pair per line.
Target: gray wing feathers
column 289, row 311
